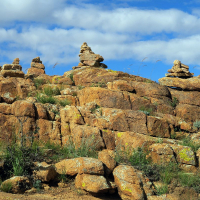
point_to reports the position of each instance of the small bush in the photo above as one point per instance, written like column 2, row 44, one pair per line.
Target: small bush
column 162, row 190
column 51, row 91
column 190, row 180
column 19, row 160
column 37, row 184
column 196, row 125
column 174, row 102
column 38, row 82
column 6, row 187
column 187, row 142
column 94, row 108
column 146, row 111
column 45, row 99
column 64, row 102
column 71, row 76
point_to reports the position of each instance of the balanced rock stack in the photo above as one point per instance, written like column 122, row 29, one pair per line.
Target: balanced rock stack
column 89, row 58
column 179, row 70
column 12, row 70
column 37, row 67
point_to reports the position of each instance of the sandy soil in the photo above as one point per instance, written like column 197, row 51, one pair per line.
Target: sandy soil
column 57, row 193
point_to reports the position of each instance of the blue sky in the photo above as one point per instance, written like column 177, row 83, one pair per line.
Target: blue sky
column 141, row 37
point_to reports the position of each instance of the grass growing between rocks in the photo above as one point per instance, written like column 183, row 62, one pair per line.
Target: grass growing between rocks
column 47, row 96
column 167, row 174
column 87, row 148
column 186, row 141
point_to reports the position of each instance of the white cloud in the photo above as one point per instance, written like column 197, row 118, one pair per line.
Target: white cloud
column 111, row 33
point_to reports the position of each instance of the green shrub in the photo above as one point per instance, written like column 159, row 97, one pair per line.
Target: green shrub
column 196, row 125
column 187, row 142
column 6, row 187
column 49, row 91
column 38, row 82
column 64, row 102
column 45, row 99
column 190, row 180
column 71, row 76
column 94, row 108
column 174, row 102
column 18, row 160
column 162, row 190
column 37, row 184
column 146, row 111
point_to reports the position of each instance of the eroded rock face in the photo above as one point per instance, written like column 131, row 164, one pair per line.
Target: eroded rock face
column 37, row 68
column 179, row 70
column 89, row 58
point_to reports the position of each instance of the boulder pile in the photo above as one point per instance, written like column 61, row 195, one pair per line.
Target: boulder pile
column 89, row 58
column 179, row 70
column 37, row 68
column 12, row 70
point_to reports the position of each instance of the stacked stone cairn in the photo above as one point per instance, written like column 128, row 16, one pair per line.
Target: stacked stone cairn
column 88, row 58
column 37, row 68
column 179, row 70
column 12, row 70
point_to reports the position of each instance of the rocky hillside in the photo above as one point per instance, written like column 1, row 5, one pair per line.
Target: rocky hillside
column 115, row 110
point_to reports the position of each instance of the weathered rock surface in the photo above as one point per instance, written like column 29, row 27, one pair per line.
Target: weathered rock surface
column 99, row 183
column 191, row 84
column 80, row 166
column 128, row 183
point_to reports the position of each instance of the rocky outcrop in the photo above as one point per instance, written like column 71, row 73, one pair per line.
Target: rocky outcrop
column 179, row 70
column 89, row 58
column 37, row 68
column 12, row 70
column 108, row 111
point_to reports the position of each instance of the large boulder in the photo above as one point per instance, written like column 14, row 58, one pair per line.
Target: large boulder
column 80, row 165
column 128, row 183
column 185, row 84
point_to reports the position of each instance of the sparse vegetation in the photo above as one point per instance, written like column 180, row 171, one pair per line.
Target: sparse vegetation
column 64, row 102
column 94, row 108
column 196, row 124
column 49, row 91
column 38, row 82
column 6, row 187
column 146, row 111
column 186, row 141
column 45, row 99
column 174, row 102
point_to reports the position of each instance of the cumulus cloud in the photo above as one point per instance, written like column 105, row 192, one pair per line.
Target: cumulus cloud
column 55, row 30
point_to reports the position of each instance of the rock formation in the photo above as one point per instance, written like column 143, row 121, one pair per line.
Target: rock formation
column 179, row 70
column 89, row 58
column 37, row 68
column 12, row 70
column 108, row 111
